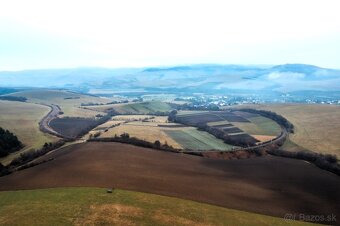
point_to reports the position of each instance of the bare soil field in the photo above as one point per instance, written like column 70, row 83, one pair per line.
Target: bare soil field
column 71, row 127
column 269, row 185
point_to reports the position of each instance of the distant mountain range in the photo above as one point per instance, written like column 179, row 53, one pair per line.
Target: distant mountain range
column 191, row 78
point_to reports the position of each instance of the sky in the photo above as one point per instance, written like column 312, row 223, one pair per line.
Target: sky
column 38, row 34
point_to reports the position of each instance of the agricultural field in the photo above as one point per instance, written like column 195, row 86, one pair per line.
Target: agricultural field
column 259, row 125
column 69, row 102
column 316, row 126
column 23, row 120
column 152, row 128
column 92, row 206
column 72, row 127
column 144, row 132
column 253, row 185
column 134, row 108
column 193, row 139
column 240, row 126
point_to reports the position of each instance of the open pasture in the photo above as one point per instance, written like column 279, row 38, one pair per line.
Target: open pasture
column 92, row 206
column 134, row 108
column 316, row 126
column 69, row 102
column 23, row 120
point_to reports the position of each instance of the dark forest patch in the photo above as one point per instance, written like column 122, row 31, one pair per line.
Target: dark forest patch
column 8, row 142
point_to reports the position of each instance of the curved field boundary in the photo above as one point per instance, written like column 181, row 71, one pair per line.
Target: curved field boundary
column 44, row 123
column 276, row 141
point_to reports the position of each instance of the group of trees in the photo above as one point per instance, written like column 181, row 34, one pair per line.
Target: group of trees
column 125, row 138
column 195, row 106
column 28, row 156
column 13, row 98
column 97, row 104
column 324, row 161
column 3, row 170
column 24, row 160
column 8, row 142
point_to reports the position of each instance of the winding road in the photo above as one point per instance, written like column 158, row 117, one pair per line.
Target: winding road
column 44, row 124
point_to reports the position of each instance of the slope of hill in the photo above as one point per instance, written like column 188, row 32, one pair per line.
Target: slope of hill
column 191, row 78
column 268, row 185
column 76, row 206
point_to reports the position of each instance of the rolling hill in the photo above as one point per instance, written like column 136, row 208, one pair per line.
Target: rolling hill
column 191, row 78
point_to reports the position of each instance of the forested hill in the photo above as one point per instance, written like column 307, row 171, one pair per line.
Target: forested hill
column 8, row 142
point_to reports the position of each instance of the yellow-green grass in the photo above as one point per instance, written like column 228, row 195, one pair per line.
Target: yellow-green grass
column 191, row 138
column 177, row 137
column 218, row 123
column 71, row 106
column 132, row 117
column 179, row 113
column 144, row 108
column 93, row 206
column 143, row 131
column 259, row 126
column 23, row 120
column 135, row 108
column 316, row 126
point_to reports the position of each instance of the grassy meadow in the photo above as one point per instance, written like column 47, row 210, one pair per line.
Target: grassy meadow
column 69, row 102
column 23, row 120
column 93, row 206
column 259, row 126
column 316, row 126
column 135, row 108
column 191, row 138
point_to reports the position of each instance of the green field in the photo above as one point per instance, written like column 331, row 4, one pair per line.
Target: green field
column 197, row 140
column 259, row 126
column 150, row 107
column 93, row 206
column 23, row 120
column 69, row 102
column 143, row 108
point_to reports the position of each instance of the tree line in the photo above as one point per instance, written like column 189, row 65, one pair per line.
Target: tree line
column 126, row 139
column 13, row 98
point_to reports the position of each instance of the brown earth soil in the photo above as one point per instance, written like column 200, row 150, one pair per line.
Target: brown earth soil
column 267, row 185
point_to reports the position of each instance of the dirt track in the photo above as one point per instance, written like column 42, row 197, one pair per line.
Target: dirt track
column 45, row 122
column 268, row 185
